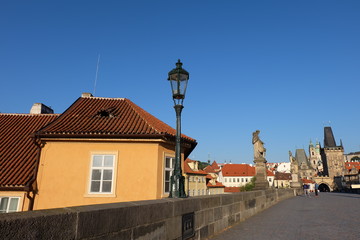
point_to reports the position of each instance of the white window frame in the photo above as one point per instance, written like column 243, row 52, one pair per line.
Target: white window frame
column 113, row 177
column 8, row 203
column 169, row 169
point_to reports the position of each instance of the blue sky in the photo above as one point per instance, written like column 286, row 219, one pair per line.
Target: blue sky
column 286, row 68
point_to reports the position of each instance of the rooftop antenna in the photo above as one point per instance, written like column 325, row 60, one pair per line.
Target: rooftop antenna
column 96, row 75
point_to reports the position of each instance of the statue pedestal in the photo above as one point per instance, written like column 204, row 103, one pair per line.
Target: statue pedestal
column 261, row 181
column 295, row 181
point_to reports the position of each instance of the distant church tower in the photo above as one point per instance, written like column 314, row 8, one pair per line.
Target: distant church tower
column 315, row 158
column 332, row 155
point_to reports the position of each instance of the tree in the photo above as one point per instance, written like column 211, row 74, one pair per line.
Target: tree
column 249, row 186
column 355, row 159
column 203, row 165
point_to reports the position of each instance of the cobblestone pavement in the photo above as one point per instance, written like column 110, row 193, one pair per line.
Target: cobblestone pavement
column 329, row 216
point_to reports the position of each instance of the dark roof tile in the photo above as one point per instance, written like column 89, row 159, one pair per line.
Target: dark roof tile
column 17, row 149
column 95, row 116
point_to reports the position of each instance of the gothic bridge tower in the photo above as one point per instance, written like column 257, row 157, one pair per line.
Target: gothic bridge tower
column 332, row 155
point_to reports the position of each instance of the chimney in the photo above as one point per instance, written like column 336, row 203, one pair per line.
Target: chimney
column 86, row 94
column 39, row 108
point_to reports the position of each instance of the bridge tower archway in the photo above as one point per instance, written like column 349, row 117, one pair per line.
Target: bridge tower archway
column 323, row 187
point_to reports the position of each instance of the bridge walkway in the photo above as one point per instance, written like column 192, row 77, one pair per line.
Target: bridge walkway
column 328, row 216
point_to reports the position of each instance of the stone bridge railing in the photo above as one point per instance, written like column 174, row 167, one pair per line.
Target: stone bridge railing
column 189, row 218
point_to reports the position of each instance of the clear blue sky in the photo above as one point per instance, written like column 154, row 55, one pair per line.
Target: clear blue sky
column 286, row 67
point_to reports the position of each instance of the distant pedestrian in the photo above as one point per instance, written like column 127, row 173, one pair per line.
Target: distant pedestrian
column 316, row 190
column 307, row 190
column 304, row 188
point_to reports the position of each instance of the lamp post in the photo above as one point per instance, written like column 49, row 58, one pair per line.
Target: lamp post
column 178, row 78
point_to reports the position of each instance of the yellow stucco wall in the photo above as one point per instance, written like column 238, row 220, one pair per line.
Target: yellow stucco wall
column 64, row 172
column 23, row 203
column 195, row 185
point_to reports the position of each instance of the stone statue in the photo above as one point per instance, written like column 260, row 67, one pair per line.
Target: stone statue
column 259, row 150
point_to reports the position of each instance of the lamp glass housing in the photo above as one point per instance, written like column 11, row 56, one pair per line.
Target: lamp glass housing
column 178, row 78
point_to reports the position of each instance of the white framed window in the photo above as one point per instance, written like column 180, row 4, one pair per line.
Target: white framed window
column 168, row 172
column 9, row 204
column 102, row 174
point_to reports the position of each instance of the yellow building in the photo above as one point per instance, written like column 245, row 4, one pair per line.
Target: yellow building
column 104, row 150
column 213, row 186
column 195, row 178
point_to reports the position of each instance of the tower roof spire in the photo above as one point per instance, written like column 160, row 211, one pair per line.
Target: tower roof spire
column 329, row 140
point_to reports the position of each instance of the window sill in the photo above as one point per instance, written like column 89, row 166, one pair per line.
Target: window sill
column 99, row 195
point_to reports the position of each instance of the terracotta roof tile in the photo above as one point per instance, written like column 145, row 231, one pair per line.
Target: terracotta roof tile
column 188, row 170
column 238, row 170
column 209, row 169
column 217, row 185
column 214, row 165
column 269, row 173
column 232, row 189
column 350, row 165
column 230, row 170
column 17, row 149
column 209, row 176
column 304, row 180
column 111, row 117
column 282, row 176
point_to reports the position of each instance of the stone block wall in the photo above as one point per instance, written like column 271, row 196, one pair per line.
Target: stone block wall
column 153, row 219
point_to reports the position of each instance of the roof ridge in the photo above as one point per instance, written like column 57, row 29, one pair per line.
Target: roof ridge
column 136, row 108
column 30, row 114
column 105, row 98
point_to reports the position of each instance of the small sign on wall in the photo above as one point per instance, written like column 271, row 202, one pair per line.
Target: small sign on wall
column 188, row 226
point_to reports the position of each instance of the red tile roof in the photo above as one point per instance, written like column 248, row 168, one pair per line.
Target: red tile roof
column 230, row 170
column 209, row 176
column 269, row 173
column 108, row 116
column 188, row 170
column 350, row 165
column 209, row 169
column 17, row 149
column 282, row 176
column 238, row 170
column 304, row 180
column 232, row 189
column 217, row 185
column 97, row 117
column 215, row 166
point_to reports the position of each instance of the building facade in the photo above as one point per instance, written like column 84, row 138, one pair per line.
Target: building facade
column 238, row 175
column 100, row 150
column 195, row 178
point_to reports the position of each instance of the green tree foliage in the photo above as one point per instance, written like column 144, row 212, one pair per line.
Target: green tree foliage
column 355, row 159
column 203, row 165
column 249, row 186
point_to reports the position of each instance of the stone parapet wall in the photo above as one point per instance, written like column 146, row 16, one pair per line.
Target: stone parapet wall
column 153, row 219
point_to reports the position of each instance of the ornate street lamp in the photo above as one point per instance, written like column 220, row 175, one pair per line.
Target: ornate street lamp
column 178, row 78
